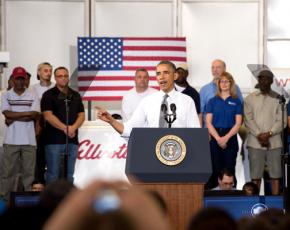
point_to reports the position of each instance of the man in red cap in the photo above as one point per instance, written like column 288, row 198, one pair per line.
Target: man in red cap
column 20, row 108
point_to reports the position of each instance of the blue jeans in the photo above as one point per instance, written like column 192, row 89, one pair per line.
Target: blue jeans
column 53, row 155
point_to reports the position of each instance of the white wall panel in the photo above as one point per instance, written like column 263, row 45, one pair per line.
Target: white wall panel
column 278, row 54
column 38, row 31
column 127, row 18
column 278, row 19
column 228, row 30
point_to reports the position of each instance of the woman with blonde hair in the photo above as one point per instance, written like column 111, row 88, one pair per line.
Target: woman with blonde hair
column 223, row 119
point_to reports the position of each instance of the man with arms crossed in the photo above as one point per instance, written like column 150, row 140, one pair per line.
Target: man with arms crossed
column 20, row 107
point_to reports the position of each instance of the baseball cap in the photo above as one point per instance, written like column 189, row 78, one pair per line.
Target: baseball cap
column 182, row 65
column 19, row 72
column 266, row 73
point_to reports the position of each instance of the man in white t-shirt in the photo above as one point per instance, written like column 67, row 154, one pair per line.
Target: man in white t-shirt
column 150, row 111
column 133, row 97
column 44, row 74
column 20, row 107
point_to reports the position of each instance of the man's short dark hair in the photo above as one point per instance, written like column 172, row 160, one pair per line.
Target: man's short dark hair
column 142, row 70
column 226, row 172
column 171, row 64
column 60, row 68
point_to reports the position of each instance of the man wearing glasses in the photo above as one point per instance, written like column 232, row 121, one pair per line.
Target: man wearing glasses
column 63, row 112
column 225, row 180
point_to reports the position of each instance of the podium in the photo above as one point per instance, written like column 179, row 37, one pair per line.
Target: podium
column 154, row 159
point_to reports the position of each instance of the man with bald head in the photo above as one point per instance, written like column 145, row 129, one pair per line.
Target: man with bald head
column 133, row 97
column 209, row 90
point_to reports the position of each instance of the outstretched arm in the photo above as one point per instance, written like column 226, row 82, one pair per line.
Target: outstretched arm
column 104, row 115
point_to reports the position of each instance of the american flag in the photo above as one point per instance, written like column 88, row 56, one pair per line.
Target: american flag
column 107, row 65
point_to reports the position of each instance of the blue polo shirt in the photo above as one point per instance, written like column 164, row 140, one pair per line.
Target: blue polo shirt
column 209, row 91
column 224, row 111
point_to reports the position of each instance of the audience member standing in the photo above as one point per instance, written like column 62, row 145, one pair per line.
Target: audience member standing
column 223, row 120
column 2, row 122
column 20, row 108
column 133, row 97
column 182, row 86
column 44, row 72
column 263, row 119
column 53, row 107
column 209, row 90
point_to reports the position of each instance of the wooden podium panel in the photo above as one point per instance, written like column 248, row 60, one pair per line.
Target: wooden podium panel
column 182, row 199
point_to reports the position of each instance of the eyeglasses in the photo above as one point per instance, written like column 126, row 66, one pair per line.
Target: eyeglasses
column 224, row 81
column 61, row 76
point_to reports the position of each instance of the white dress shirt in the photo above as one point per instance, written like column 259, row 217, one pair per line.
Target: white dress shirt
column 148, row 112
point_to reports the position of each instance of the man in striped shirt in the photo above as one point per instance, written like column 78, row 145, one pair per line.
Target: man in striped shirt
column 20, row 108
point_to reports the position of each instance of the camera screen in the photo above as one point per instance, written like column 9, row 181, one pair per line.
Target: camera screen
column 107, row 201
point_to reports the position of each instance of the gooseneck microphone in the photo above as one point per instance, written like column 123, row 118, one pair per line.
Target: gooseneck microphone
column 173, row 110
column 164, row 108
column 169, row 117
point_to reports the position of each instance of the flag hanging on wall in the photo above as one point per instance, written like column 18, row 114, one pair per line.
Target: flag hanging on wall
column 107, row 65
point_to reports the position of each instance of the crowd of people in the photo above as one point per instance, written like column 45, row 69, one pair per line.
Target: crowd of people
column 42, row 124
column 117, row 205
column 221, row 108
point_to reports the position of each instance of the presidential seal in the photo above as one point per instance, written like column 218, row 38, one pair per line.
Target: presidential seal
column 170, row 150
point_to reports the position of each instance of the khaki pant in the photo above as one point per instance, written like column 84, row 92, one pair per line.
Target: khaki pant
column 16, row 160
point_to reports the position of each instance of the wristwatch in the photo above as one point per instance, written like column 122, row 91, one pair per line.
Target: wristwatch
column 270, row 133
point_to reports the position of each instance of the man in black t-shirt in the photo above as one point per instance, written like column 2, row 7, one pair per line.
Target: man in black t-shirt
column 55, row 105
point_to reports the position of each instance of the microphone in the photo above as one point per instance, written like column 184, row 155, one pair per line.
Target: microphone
column 281, row 99
column 164, row 108
column 173, row 108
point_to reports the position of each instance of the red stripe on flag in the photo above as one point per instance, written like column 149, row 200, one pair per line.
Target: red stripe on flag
column 155, row 48
column 157, row 58
column 105, row 78
column 155, row 87
column 154, row 39
column 149, row 68
column 109, row 98
column 104, row 88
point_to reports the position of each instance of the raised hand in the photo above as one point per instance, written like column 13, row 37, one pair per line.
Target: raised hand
column 104, row 115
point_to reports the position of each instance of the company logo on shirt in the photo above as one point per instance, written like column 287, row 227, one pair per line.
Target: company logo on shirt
column 232, row 103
